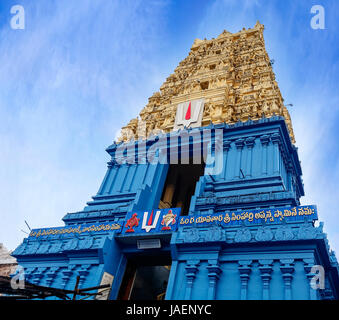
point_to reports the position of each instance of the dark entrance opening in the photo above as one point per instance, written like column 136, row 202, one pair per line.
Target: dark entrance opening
column 145, row 279
column 180, row 186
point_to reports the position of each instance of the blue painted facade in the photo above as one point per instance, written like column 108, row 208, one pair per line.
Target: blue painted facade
column 250, row 166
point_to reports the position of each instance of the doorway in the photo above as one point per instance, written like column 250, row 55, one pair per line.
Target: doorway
column 144, row 282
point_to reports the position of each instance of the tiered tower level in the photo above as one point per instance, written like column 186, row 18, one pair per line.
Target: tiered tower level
column 241, row 233
column 232, row 72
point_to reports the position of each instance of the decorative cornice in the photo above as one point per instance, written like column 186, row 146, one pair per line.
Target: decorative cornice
column 243, row 234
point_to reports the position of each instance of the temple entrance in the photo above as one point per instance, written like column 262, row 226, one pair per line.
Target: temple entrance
column 180, row 186
column 144, row 282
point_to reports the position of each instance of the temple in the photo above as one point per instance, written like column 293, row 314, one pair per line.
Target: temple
column 201, row 199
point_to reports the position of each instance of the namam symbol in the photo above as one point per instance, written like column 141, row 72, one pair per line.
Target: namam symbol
column 149, row 223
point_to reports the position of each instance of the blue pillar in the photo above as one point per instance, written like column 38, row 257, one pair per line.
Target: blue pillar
column 276, row 154
column 191, row 270
column 214, row 271
column 308, row 264
column 244, row 270
column 227, row 146
column 266, row 271
column 287, row 269
column 264, row 141
column 239, row 144
column 250, row 144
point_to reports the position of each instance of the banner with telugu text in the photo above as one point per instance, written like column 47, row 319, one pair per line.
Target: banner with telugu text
column 74, row 229
column 253, row 217
column 168, row 219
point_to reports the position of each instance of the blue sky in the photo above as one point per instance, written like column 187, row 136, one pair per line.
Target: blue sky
column 82, row 69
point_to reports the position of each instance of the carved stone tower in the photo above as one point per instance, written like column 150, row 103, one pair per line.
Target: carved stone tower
column 234, row 75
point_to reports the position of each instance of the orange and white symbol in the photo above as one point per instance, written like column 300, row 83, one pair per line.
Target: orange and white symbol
column 189, row 114
column 149, row 223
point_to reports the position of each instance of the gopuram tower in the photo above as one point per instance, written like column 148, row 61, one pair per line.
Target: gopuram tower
column 201, row 199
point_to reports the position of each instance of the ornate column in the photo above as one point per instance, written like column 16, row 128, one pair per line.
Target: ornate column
column 191, row 270
column 227, row 146
column 244, row 270
column 214, row 271
column 276, row 156
column 266, row 270
column 250, row 141
column 287, row 269
column 239, row 145
column 264, row 141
